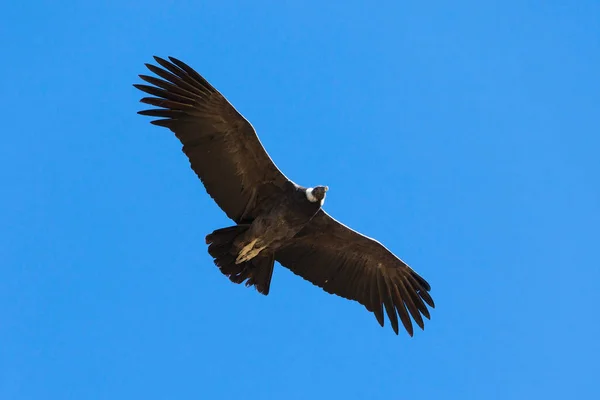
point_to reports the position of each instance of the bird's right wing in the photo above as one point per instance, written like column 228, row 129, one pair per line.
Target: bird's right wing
column 348, row 264
column 221, row 145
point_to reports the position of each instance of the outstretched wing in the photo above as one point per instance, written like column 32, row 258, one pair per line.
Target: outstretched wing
column 221, row 145
column 348, row 264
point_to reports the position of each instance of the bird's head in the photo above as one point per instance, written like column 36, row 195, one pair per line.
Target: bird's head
column 316, row 194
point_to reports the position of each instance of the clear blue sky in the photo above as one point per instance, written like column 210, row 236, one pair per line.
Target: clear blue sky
column 463, row 135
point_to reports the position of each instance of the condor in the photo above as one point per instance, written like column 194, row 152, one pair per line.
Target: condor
column 275, row 219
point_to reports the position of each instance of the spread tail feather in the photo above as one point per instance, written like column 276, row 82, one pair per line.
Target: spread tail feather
column 256, row 272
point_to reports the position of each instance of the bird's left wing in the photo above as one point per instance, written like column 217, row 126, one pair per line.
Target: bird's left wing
column 348, row 264
column 221, row 145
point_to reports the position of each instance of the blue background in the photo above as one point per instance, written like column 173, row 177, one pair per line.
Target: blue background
column 463, row 135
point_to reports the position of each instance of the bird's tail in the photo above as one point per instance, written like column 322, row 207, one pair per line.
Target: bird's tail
column 256, row 272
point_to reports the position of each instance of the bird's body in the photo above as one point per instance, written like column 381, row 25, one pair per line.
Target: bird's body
column 275, row 219
column 248, row 250
column 277, row 226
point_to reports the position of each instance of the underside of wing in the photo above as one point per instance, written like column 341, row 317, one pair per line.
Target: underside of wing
column 221, row 145
column 345, row 263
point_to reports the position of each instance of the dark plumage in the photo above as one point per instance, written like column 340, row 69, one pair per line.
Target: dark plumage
column 275, row 218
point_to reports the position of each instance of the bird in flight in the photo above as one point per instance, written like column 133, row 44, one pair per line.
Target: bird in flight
column 275, row 218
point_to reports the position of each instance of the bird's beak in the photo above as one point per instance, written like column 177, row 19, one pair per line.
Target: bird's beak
column 326, row 188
